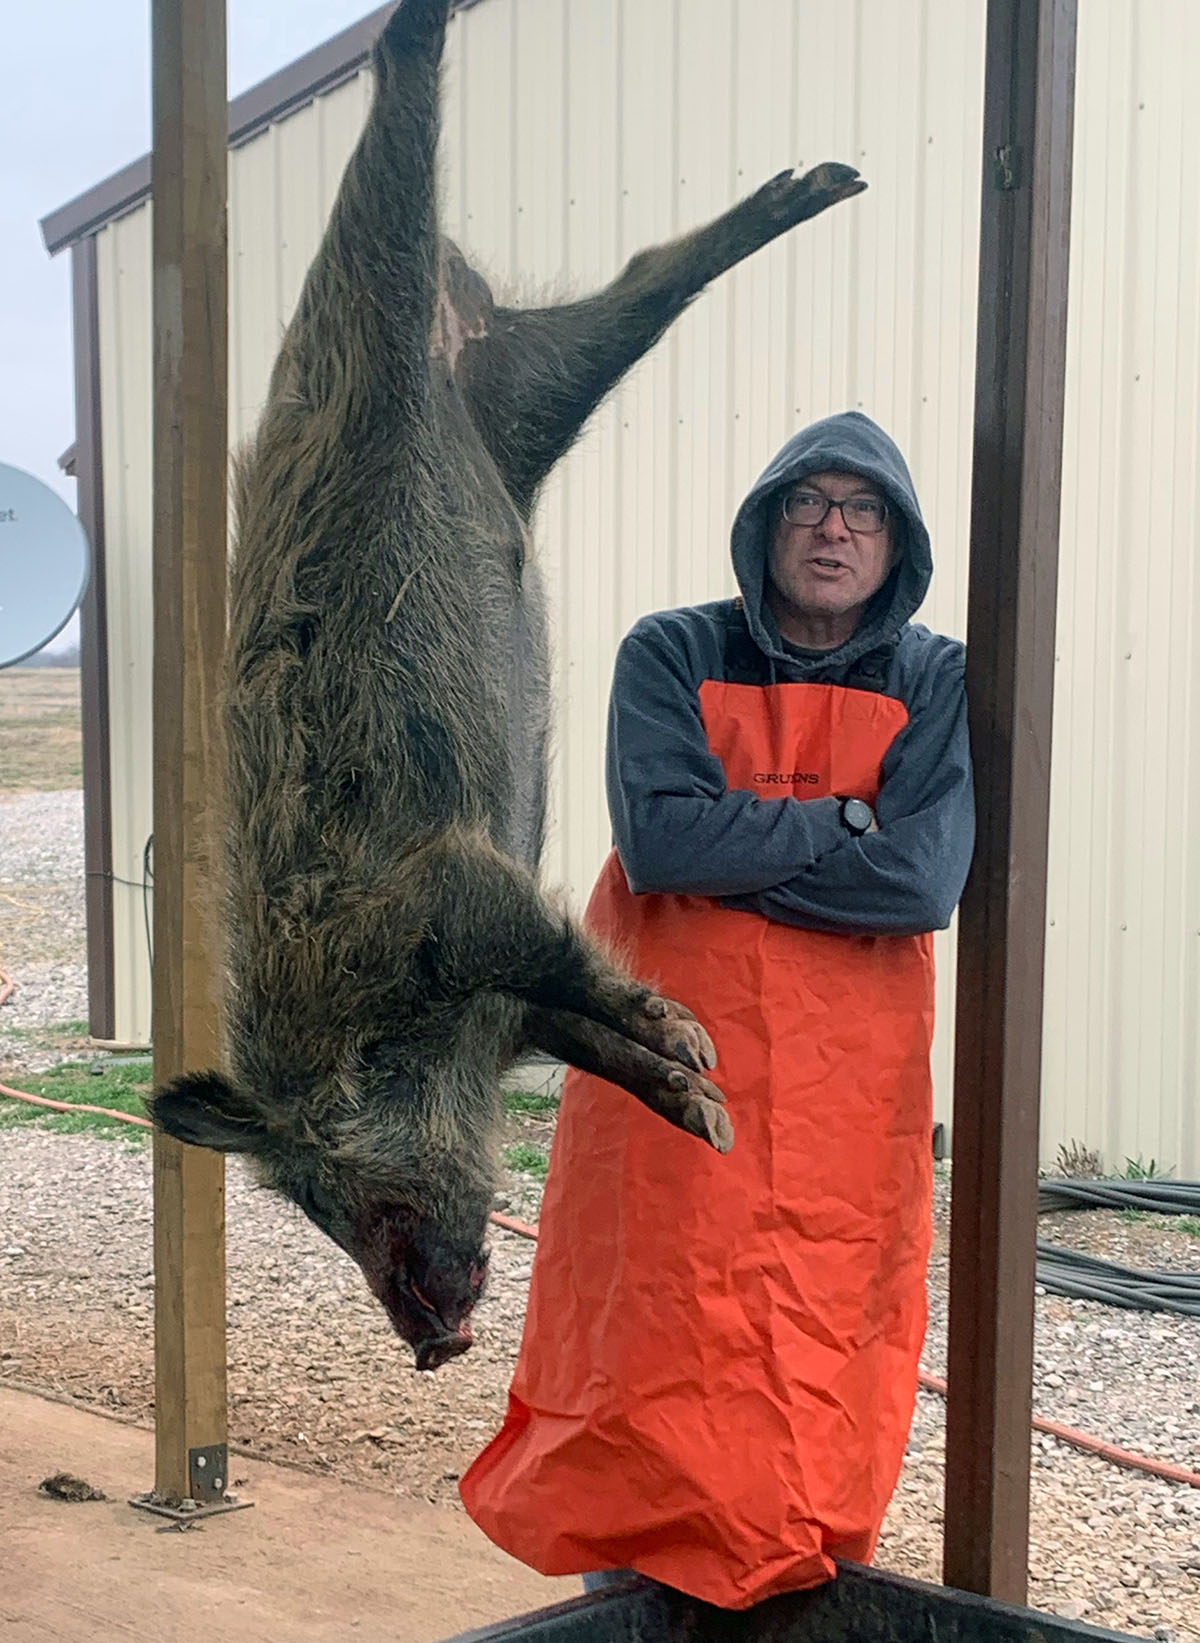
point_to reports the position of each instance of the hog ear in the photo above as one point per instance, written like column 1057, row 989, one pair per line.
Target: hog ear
column 206, row 1110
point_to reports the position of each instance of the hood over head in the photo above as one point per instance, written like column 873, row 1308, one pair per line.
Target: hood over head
column 852, row 443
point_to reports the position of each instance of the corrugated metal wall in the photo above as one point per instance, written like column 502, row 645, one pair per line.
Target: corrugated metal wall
column 1123, row 951
column 577, row 131
column 124, row 278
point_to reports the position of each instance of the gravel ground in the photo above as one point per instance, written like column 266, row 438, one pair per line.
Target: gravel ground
column 317, row 1378
column 42, row 933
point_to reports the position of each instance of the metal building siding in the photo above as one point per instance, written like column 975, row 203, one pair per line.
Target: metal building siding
column 124, row 276
column 1123, row 942
column 578, row 131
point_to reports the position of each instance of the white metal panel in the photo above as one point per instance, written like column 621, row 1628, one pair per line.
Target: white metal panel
column 1123, row 960
column 576, row 132
column 124, row 278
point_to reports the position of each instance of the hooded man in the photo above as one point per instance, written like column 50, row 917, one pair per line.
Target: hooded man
column 720, row 1356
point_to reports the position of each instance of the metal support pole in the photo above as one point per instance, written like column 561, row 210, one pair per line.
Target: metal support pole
column 1020, row 369
column 190, row 461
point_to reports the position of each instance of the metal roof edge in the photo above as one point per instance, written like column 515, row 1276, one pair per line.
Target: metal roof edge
column 290, row 88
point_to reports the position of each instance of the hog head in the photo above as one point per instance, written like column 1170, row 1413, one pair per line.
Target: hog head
column 413, row 1222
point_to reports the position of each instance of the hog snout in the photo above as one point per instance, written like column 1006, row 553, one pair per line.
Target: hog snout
column 443, row 1342
column 439, row 1349
column 435, row 1333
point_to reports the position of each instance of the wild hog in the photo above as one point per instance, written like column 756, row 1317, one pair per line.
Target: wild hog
column 389, row 950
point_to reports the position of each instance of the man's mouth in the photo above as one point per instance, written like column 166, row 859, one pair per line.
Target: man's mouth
column 827, row 567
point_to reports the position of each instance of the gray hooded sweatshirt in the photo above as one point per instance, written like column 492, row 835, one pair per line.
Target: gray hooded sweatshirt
column 679, row 828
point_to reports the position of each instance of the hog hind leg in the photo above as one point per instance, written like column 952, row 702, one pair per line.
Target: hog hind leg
column 357, row 350
column 532, row 377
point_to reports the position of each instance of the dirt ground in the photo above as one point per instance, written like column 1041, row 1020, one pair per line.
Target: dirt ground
column 312, row 1561
column 41, row 747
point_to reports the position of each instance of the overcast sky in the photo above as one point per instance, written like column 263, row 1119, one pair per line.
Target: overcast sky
column 75, row 108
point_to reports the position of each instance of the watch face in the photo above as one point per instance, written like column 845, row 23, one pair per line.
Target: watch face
column 856, row 813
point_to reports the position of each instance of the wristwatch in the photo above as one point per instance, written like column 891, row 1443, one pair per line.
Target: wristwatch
column 857, row 816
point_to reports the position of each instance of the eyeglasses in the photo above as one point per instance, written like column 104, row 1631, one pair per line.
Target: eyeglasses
column 866, row 515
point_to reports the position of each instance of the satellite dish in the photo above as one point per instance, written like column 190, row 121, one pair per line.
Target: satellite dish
column 43, row 564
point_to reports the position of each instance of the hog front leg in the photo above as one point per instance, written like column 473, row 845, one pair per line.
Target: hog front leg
column 487, row 928
column 536, row 375
column 677, row 1094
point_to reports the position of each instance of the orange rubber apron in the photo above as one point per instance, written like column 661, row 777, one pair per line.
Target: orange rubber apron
column 720, row 1357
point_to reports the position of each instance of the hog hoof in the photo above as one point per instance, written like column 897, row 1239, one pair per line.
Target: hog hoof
column 793, row 197
column 709, row 1120
column 414, row 23
column 697, row 1106
column 671, row 1030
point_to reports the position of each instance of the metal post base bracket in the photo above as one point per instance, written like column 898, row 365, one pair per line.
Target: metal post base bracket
column 188, row 1511
column 208, row 1473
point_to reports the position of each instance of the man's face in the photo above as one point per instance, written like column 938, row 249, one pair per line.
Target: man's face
column 823, row 576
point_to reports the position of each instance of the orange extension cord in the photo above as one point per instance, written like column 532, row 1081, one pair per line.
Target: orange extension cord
column 932, row 1383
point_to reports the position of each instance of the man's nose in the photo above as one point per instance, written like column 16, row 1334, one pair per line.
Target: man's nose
column 833, row 527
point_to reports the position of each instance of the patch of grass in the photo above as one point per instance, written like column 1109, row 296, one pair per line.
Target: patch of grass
column 526, row 1159
column 534, row 1101
column 1136, row 1170
column 1189, row 1225
column 66, row 1037
column 123, row 1088
column 40, row 733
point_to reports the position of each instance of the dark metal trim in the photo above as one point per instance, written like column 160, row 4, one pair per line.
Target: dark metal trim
column 88, row 466
column 272, row 99
column 860, row 1606
column 1012, row 602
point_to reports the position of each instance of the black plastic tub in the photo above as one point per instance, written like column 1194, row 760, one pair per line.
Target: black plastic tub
column 860, row 1606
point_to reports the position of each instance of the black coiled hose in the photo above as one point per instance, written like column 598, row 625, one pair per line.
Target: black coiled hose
column 1087, row 1278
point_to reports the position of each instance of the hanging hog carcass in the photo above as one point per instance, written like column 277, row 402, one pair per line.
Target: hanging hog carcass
column 389, row 950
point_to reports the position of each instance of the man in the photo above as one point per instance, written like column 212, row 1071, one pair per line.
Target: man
column 720, row 1355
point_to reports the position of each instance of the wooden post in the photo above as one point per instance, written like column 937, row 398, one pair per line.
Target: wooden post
column 1020, row 369
column 190, row 460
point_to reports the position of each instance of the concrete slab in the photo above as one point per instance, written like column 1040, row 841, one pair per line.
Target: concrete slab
column 314, row 1561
